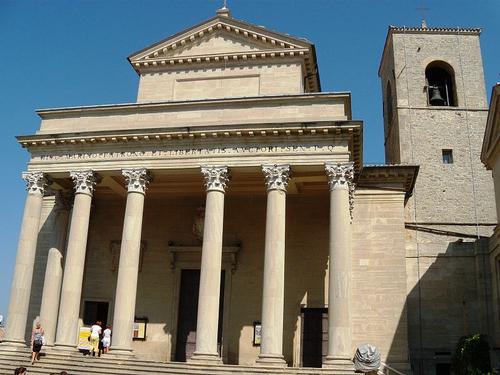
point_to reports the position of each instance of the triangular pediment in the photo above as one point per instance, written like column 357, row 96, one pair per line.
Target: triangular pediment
column 218, row 36
column 217, row 43
column 224, row 38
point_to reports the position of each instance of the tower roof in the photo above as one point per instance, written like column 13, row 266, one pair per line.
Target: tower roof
column 424, row 29
column 434, row 30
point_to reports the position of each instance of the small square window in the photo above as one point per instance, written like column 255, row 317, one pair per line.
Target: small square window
column 447, row 156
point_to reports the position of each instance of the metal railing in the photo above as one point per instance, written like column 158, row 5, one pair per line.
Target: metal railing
column 385, row 369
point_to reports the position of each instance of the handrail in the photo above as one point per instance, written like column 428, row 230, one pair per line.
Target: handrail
column 388, row 370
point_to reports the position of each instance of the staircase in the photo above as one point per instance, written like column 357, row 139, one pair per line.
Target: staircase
column 77, row 364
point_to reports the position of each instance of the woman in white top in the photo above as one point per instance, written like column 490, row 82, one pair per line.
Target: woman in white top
column 95, row 331
column 106, row 339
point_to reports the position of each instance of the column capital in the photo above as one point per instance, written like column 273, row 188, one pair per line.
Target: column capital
column 277, row 176
column 36, row 182
column 341, row 176
column 84, row 181
column 216, row 177
column 137, row 179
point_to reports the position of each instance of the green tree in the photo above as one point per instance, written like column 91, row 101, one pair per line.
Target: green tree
column 472, row 356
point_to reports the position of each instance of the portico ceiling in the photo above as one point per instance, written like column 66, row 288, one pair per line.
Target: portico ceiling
column 176, row 183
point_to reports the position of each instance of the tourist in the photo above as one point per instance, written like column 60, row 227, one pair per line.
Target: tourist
column 96, row 331
column 106, row 339
column 36, row 342
column 20, row 371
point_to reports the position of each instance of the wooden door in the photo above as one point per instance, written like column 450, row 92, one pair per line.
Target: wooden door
column 314, row 336
column 188, row 311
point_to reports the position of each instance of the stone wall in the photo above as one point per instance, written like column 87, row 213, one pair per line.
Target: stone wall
column 236, row 80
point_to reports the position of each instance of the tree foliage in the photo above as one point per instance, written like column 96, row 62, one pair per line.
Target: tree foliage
column 472, row 356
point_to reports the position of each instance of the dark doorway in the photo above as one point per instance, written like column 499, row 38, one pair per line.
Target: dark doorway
column 188, row 311
column 94, row 311
column 314, row 336
column 443, row 369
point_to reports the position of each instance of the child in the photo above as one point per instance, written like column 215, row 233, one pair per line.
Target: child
column 106, row 339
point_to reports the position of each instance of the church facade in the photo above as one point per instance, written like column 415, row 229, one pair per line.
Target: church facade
column 227, row 216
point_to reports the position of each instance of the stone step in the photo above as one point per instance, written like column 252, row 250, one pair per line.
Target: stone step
column 77, row 364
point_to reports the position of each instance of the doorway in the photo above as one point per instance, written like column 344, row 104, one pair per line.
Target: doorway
column 94, row 311
column 314, row 345
column 188, row 311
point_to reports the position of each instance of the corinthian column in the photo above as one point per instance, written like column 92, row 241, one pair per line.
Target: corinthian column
column 54, row 271
column 340, row 180
column 216, row 179
column 67, row 325
column 25, row 259
column 271, row 347
column 126, row 287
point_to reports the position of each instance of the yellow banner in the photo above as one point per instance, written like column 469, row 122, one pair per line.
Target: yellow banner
column 83, row 339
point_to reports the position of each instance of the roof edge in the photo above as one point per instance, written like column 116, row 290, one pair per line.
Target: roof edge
column 308, row 95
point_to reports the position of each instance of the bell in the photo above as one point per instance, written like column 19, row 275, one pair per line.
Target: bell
column 436, row 98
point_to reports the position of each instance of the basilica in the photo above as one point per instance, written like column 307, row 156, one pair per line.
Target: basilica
column 232, row 220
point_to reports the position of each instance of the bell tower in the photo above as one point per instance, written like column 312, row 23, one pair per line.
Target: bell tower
column 435, row 111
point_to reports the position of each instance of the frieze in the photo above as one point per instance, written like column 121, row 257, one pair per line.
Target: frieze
column 158, row 153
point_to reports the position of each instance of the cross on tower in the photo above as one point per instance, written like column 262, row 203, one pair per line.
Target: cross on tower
column 422, row 9
column 224, row 6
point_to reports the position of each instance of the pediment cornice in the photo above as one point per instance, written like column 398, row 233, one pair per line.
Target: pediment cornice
column 255, row 35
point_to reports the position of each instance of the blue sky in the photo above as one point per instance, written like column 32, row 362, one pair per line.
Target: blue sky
column 72, row 52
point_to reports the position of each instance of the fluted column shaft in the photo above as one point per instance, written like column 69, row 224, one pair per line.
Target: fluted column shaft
column 25, row 260
column 128, row 269
column 54, row 271
column 340, row 178
column 211, row 263
column 271, row 348
column 67, row 325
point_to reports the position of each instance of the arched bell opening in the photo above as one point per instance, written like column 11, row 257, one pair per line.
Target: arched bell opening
column 441, row 89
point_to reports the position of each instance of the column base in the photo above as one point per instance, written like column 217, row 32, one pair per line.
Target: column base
column 206, row 358
column 13, row 345
column 274, row 360
column 64, row 347
column 121, row 352
column 339, row 364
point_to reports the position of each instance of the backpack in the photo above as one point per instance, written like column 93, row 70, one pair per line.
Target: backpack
column 38, row 340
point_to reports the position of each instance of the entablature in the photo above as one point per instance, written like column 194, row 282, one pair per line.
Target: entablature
column 297, row 143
